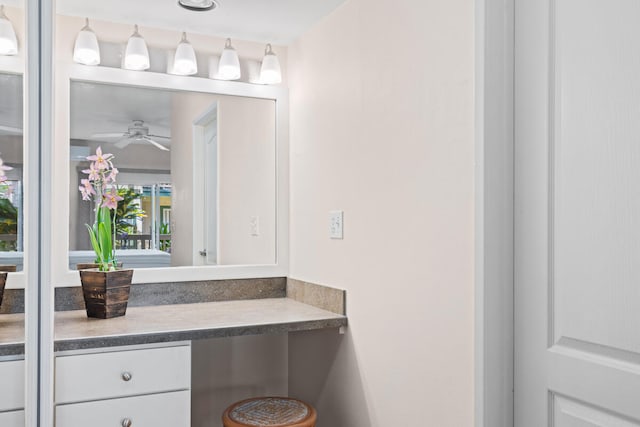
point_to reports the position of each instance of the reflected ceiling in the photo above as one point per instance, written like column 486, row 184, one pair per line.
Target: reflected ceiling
column 11, row 100
column 97, row 108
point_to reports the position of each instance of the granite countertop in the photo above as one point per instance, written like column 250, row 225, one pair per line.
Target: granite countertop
column 167, row 313
column 183, row 322
column 11, row 334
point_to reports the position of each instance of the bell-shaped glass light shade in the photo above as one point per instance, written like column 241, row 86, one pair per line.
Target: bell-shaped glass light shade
column 185, row 62
column 136, row 56
column 86, row 50
column 8, row 40
column 270, row 73
column 229, row 66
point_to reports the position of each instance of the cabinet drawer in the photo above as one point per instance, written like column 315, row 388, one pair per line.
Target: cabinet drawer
column 12, row 386
column 12, row 419
column 159, row 410
column 84, row 377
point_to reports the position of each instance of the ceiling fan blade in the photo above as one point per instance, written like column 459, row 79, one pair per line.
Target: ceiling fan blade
column 10, row 130
column 124, row 142
column 168, row 138
column 107, row 135
column 162, row 147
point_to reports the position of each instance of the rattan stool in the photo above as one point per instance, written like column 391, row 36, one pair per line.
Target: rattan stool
column 270, row 412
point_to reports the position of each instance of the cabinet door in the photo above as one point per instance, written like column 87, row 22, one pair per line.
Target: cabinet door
column 12, row 390
column 156, row 410
column 12, row 419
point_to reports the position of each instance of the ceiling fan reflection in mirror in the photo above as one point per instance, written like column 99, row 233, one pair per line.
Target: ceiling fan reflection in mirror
column 10, row 130
column 137, row 131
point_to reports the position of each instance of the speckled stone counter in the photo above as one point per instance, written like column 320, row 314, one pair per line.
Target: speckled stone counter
column 11, row 334
column 183, row 322
column 186, row 311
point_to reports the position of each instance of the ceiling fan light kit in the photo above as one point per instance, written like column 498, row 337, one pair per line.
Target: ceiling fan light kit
column 136, row 55
column 8, row 39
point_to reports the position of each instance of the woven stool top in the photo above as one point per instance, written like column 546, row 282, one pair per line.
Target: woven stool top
column 270, row 412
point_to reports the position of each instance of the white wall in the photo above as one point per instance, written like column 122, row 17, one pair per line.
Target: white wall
column 247, row 180
column 382, row 126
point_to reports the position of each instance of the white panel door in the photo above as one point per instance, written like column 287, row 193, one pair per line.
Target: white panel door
column 577, row 213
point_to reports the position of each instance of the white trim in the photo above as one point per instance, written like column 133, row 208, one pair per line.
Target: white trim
column 31, row 86
column 494, row 213
column 67, row 72
column 479, row 312
column 12, row 64
column 47, row 139
column 39, row 305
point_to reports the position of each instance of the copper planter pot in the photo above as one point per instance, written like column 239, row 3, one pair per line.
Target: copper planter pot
column 106, row 293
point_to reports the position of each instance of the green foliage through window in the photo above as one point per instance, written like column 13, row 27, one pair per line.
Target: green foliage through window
column 8, row 226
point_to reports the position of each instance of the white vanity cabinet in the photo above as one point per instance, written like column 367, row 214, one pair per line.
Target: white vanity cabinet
column 12, row 393
column 128, row 387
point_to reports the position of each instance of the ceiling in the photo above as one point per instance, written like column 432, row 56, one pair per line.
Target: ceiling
column 266, row 21
column 11, row 100
column 100, row 108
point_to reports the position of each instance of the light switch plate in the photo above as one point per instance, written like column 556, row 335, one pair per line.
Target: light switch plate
column 336, row 223
column 254, row 225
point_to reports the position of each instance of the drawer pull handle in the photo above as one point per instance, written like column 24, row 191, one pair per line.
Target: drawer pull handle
column 126, row 376
column 126, row 422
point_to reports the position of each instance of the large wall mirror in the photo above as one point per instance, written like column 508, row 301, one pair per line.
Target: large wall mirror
column 196, row 173
column 202, row 163
column 14, row 227
column 11, row 172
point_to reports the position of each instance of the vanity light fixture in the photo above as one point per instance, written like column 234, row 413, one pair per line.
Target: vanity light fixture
column 229, row 66
column 198, row 5
column 8, row 40
column 136, row 55
column 270, row 72
column 185, row 62
column 86, row 50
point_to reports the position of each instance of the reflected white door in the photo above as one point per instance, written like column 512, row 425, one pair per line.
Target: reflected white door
column 210, row 133
column 577, row 291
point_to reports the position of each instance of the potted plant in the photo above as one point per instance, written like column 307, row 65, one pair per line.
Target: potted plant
column 105, row 288
column 5, row 192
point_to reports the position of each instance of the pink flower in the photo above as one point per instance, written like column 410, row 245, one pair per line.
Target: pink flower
column 3, row 167
column 94, row 174
column 111, row 199
column 102, row 161
column 112, row 175
column 86, row 189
